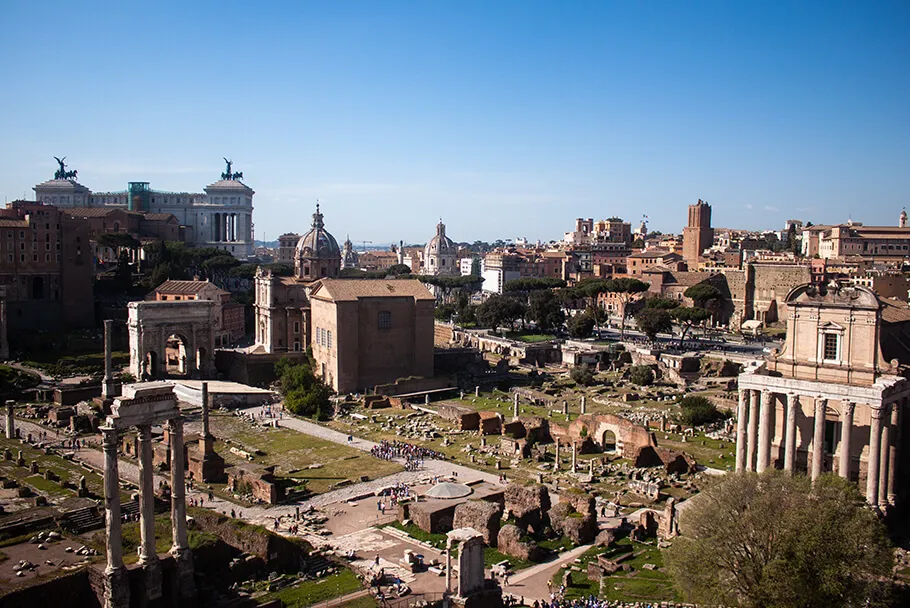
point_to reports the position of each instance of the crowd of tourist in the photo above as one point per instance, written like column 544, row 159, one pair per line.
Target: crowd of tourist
column 413, row 455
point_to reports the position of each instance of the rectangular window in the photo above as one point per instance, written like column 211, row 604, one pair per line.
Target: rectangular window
column 296, row 327
column 831, row 344
column 328, row 339
column 385, row 319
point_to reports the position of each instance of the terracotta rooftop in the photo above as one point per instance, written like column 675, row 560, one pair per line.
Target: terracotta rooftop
column 354, row 289
column 185, row 287
column 653, row 254
column 895, row 311
column 9, row 223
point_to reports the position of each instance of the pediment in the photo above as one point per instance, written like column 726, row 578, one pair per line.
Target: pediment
column 831, row 325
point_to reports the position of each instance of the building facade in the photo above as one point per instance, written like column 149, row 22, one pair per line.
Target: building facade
column 46, row 268
column 369, row 332
column 230, row 325
column 440, row 256
column 834, row 398
column 221, row 216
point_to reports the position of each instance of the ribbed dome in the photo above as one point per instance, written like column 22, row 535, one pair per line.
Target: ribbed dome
column 318, row 243
column 440, row 244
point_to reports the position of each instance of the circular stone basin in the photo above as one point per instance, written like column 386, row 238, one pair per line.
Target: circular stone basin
column 447, row 489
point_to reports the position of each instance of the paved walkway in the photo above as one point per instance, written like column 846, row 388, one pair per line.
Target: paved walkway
column 531, row 583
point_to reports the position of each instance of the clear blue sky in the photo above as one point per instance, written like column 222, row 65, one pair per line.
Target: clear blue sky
column 505, row 118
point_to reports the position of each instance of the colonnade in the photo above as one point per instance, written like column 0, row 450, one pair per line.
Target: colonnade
column 756, row 429
column 116, row 583
column 228, row 227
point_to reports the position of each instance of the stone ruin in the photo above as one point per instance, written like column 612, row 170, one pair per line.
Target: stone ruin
column 483, row 516
column 471, row 590
column 528, row 506
column 575, row 517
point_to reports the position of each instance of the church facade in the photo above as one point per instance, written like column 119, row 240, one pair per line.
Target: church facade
column 221, row 216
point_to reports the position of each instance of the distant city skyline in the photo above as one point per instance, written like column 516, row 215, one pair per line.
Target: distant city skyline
column 508, row 120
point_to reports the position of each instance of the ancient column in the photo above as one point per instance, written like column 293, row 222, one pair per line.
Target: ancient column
column 556, row 461
column 790, row 441
column 107, row 388
column 846, row 428
column 10, row 421
column 477, row 391
column 892, row 451
column 584, row 405
column 449, row 567
column 875, row 432
column 818, row 437
column 148, row 558
column 116, row 584
column 515, row 404
column 180, row 548
column 884, row 457
column 205, row 410
column 741, row 418
column 574, row 457
column 752, row 431
column 764, row 433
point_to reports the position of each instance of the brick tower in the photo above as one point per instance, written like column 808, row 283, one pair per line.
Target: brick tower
column 698, row 235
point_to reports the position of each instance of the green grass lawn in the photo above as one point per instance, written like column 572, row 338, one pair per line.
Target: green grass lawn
column 312, row 592
column 636, row 586
column 293, row 452
column 529, row 337
column 51, row 362
column 132, row 538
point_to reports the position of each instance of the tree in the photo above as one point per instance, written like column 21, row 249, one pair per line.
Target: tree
column 396, row 270
column 499, row 310
column 475, row 267
column 581, row 326
column 625, row 289
column 545, row 310
column 781, row 540
column 642, row 375
column 653, row 321
column 688, row 318
column 660, row 302
column 697, row 411
column 582, row 374
column 304, row 394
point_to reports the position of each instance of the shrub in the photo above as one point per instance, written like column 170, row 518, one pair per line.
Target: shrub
column 697, row 411
column 642, row 375
column 581, row 326
column 582, row 374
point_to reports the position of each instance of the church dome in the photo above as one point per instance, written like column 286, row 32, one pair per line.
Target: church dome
column 318, row 242
column 440, row 244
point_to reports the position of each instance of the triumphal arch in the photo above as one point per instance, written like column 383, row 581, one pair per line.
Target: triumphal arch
column 141, row 406
column 172, row 338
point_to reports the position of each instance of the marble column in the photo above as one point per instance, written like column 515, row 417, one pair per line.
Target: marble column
column 556, row 460
column 884, row 457
column 764, row 432
column 180, row 548
column 205, row 410
column 741, row 416
column 148, row 558
column 107, row 388
column 846, row 429
column 584, row 405
column 116, row 584
column 515, row 405
column 574, row 457
column 752, row 431
column 896, row 416
column 818, row 437
column 790, row 440
column 10, row 421
column 875, row 435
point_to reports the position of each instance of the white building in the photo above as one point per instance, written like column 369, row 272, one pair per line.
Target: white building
column 220, row 217
column 440, row 256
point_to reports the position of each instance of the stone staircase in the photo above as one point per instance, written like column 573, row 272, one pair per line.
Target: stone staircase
column 92, row 518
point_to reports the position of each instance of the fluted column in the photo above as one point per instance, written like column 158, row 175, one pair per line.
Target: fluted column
column 107, row 388
column 818, row 437
column 741, row 421
column 846, row 429
column 116, row 585
column 752, row 432
column 148, row 557
column 790, row 440
column 180, row 548
column 896, row 415
column 875, row 433
column 884, row 457
column 764, row 432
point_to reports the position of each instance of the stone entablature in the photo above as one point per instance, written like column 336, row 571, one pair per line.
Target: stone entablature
column 150, row 326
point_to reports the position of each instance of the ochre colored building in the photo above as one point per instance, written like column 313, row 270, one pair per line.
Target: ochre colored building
column 369, row 332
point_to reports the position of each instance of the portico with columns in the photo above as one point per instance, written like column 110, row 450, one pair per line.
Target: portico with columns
column 830, row 402
column 141, row 406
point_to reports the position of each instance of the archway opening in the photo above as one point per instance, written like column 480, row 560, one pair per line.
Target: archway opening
column 608, row 442
column 150, row 365
column 175, row 355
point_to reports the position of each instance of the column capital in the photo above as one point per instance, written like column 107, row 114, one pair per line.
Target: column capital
column 849, row 407
column 108, row 436
column 878, row 412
